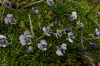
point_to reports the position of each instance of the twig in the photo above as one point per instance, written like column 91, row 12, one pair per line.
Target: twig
column 87, row 57
column 31, row 26
column 11, row 39
column 41, row 37
column 95, row 22
column 88, row 38
column 32, row 4
column 82, row 39
column 3, row 8
column 87, row 15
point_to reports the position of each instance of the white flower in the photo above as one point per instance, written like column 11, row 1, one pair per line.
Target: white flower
column 42, row 45
column 70, row 37
column 98, row 13
column 80, row 24
column 35, row 10
column 62, row 49
column 9, row 19
column 58, row 33
column 63, row 46
column 26, row 38
column 3, row 41
column 97, row 34
column 59, row 53
column 30, row 49
column 47, row 31
column 50, row 2
column 0, row 2
column 73, row 16
column 22, row 40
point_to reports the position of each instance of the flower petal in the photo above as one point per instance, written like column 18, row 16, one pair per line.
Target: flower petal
column 44, row 49
column 63, row 46
column 6, row 20
column 39, row 46
column 44, row 29
column 70, row 40
column 23, row 42
column 50, row 2
column 21, row 37
column 26, row 33
column 10, row 15
column 59, row 53
column 4, row 45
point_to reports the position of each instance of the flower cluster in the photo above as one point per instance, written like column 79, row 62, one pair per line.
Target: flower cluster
column 43, row 45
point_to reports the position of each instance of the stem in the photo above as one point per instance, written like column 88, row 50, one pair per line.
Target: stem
column 3, row 8
column 31, row 26
column 11, row 39
column 41, row 37
column 82, row 39
column 88, row 38
column 87, row 57
column 32, row 4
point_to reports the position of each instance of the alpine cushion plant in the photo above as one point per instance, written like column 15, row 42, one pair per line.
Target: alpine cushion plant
column 59, row 13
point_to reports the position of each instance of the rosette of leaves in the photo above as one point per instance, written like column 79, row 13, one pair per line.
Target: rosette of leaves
column 59, row 13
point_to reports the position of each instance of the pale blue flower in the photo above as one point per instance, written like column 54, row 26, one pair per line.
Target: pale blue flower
column 47, row 31
column 26, row 38
column 9, row 19
column 58, row 33
column 42, row 45
column 35, row 10
column 80, row 24
column 71, row 37
column 3, row 41
column 30, row 49
column 97, row 34
column 50, row 2
column 61, row 50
